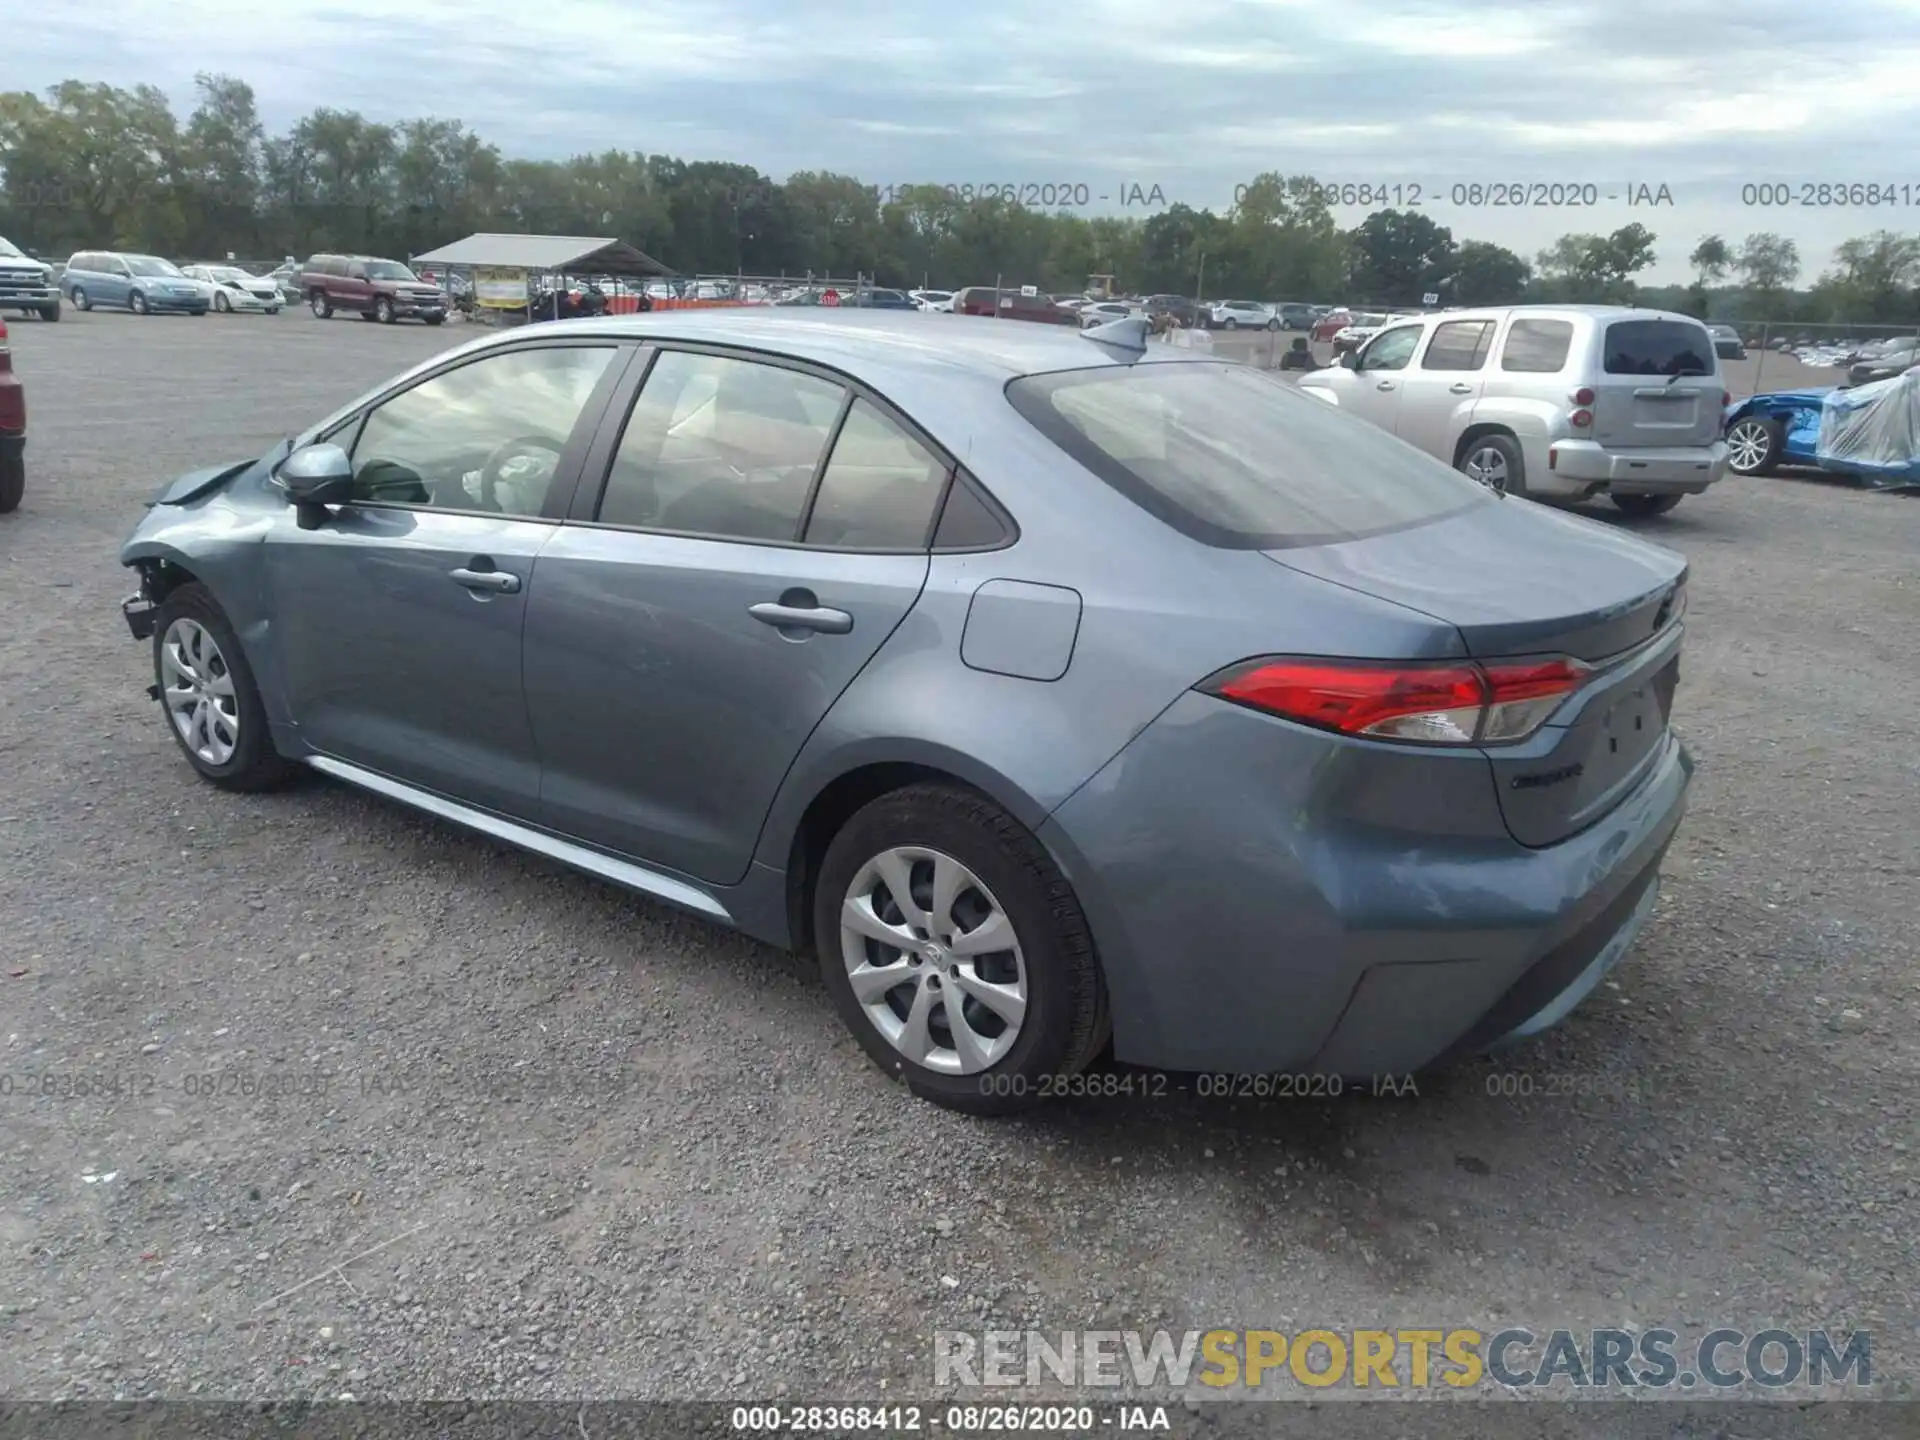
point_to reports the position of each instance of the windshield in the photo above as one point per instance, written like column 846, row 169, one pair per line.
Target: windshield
column 1237, row 458
column 388, row 270
column 151, row 265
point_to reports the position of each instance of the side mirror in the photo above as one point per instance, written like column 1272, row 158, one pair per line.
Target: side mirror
column 314, row 477
column 1350, row 360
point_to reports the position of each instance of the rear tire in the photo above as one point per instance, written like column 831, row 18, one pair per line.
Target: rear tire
column 1496, row 462
column 1754, row 443
column 1002, row 877
column 196, row 653
column 322, row 307
column 1646, row 504
column 13, row 482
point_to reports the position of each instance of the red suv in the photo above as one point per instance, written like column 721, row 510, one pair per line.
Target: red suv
column 372, row 288
column 1011, row 305
column 13, row 430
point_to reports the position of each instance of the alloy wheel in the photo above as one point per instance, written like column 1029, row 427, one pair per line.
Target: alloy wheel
column 198, row 690
column 1747, row 446
column 1489, row 467
column 933, row 960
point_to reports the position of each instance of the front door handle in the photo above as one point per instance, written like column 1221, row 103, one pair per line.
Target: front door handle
column 802, row 617
column 1384, row 385
column 498, row 581
column 1461, row 389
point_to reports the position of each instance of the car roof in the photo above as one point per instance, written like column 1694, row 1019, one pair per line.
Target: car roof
column 878, row 346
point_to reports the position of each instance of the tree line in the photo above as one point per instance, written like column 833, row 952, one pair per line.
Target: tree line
column 89, row 164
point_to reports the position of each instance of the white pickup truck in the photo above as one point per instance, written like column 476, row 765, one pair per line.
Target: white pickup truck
column 26, row 283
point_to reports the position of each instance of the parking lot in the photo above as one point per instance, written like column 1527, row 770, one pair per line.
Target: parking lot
column 559, row 1140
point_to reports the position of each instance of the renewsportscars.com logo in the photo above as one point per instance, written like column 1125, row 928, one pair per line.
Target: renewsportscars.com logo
column 1402, row 1358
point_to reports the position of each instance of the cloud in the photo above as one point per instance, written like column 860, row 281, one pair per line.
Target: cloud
column 1699, row 96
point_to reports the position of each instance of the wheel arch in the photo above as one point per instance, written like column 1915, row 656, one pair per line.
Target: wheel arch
column 1480, row 430
column 811, row 811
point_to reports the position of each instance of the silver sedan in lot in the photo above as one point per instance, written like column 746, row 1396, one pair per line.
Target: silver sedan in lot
column 1059, row 689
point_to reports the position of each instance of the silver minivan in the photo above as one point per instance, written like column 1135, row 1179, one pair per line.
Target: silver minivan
column 1555, row 402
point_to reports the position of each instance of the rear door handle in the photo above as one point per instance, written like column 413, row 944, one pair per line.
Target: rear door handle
column 500, row 582
column 1461, row 389
column 1384, row 385
column 802, row 617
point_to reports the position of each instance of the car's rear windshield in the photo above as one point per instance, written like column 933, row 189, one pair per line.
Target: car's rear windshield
column 1236, row 458
column 1658, row 347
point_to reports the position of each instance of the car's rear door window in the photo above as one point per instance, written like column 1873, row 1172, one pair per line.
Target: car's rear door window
column 880, row 489
column 1657, row 347
column 1458, row 345
column 1237, row 458
column 721, row 446
column 1537, row 347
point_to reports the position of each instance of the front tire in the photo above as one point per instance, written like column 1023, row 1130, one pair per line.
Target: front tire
column 137, row 303
column 1496, row 462
column 383, row 310
column 13, row 482
column 1753, row 445
column 208, row 695
column 50, row 312
column 436, row 319
column 988, row 917
column 221, row 303
column 80, row 300
column 1646, row 504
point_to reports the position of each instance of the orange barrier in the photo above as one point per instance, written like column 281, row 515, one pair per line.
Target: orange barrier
column 630, row 304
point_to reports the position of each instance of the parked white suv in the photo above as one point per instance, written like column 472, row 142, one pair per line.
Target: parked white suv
column 1234, row 314
column 1554, row 402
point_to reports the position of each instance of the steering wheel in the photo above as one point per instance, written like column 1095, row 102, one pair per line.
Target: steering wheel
column 517, row 448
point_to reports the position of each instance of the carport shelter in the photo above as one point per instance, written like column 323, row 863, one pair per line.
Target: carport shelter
column 529, row 255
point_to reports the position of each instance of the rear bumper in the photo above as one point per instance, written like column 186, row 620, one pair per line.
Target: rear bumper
column 1682, row 469
column 1266, row 899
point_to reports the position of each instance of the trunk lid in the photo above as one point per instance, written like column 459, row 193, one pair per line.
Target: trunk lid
column 1518, row 580
column 1658, row 384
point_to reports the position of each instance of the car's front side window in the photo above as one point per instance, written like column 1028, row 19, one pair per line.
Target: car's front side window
column 487, row 435
column 1391, row 350
column 721, row 446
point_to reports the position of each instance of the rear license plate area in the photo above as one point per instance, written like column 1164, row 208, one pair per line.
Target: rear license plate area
column 1676, row 411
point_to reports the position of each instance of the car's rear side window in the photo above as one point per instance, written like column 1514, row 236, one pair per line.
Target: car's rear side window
column 1537, row 347
column 1658, row 347
column 1236, row 458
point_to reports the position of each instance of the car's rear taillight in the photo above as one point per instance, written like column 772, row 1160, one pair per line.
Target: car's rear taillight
column 1580, row 419
column 1445, row 703
column 1582, row 396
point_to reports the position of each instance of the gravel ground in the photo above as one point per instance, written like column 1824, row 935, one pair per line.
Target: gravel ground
column 606, row 1150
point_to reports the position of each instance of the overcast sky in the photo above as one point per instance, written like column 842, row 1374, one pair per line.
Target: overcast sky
column 1702, row 97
